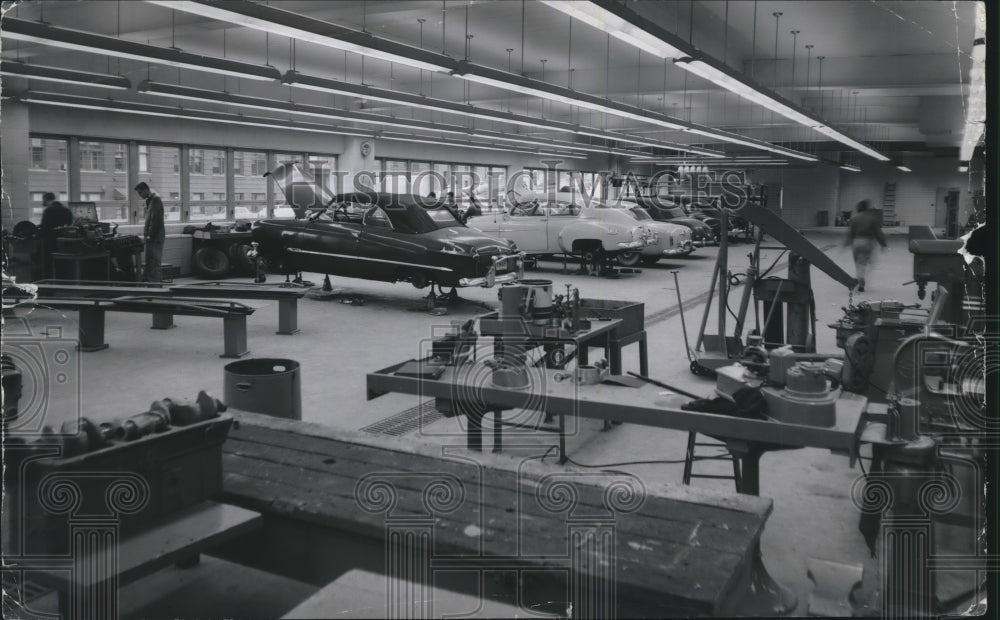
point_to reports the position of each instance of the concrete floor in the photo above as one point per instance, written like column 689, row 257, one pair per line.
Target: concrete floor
column 813, row 515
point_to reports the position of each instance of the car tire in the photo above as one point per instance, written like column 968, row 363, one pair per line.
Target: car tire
column 211, row 263
column 650, row 260
column 629, row 259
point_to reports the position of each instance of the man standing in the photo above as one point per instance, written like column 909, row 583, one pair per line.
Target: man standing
column 863, row 232
column 55, row 215
column 154, row 232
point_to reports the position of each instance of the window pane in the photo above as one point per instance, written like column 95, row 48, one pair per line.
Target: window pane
column 208, row 188
column 104, row 178
column 394, row 177
column 422, row 182
column 50, row 175
column 250, row 184
column 281, row 206
column 164, row 178
column 323, row 169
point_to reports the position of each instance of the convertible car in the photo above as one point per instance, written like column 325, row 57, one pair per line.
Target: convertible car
column 387, row 237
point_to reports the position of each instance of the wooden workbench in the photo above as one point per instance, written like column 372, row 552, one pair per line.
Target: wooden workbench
column 618, row 545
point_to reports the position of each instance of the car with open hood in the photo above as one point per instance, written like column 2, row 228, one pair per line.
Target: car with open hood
column 380, row 236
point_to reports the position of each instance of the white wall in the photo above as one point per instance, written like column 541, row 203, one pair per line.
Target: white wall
column 806, row 191
column 916, row 191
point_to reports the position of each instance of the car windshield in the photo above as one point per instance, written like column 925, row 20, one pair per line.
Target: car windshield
column 640, row 213
column 405, row 217
column 443, row 218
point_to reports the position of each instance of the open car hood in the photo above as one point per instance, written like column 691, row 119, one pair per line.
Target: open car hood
column 302, row 192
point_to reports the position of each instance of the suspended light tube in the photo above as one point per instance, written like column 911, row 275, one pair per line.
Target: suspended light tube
column 63, row 76
column 593, row 14
column 850, row 168
column 78, row 41
column 278, row 105
column 303, row 28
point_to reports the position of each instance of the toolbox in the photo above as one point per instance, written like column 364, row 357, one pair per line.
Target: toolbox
column 126, row 485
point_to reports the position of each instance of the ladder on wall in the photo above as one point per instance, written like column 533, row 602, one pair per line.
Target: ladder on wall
column 889, row 205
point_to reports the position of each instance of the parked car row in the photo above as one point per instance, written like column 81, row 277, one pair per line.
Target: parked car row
column 398, row 237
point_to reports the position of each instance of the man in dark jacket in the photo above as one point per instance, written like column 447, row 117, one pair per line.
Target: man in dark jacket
column 154, row 233
column 863, row 232
column 54, row 215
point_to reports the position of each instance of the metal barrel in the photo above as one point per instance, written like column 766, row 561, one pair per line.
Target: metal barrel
column 265, row 385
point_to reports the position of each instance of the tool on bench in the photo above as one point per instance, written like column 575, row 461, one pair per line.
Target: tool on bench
column 586, row 374
column 663, row 385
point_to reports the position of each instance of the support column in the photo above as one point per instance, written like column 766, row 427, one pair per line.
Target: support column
column 14, row 163
column 356, row 158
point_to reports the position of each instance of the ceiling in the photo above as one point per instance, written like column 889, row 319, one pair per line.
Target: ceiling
column 894, row 73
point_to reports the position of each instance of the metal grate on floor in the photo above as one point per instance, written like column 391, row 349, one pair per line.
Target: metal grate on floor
column 407, row 421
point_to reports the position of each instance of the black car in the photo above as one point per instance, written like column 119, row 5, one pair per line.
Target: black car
column 665, row 211
column 387, row 237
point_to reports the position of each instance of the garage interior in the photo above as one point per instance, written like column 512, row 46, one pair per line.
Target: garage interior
column 530, row 308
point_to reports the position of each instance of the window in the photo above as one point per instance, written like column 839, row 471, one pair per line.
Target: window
column 91, row 156
column 50, row 177
column 196, row 161
column 121, row 157
column 281, row 206
column 37, row 154
column 253, row 185
column 395, row 177
column 106, row 182
column 208, row 190
column 162, row 175
column 324, row 170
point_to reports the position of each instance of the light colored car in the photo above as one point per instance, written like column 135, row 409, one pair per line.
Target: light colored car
column 672, row 239
column 561, row 227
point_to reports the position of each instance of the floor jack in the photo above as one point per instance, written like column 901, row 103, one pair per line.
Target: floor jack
column 794, row 294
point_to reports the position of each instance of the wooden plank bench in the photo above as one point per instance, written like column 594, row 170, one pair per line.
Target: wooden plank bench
column 177, row 538
column 287, row 297
column 92, row 311
column 540, row 530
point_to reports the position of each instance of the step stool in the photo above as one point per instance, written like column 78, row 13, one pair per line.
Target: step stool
column 691, row 456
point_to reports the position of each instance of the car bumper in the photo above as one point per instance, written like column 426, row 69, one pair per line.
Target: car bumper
column 512, row 265
column 685, row 248
column 631, row 245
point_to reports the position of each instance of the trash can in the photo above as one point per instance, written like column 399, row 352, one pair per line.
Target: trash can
column 822, row 218
column 264, row 385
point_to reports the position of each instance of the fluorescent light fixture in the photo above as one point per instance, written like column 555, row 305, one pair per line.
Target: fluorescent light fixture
column 621, row 22
column 282, row 106
column 63, row 76
column 303, row 28
column 527, row 86
column 470, row 144
column 96, row 103
column 850, row 168
column 373, row 93
column 79, row 41
column 723, row 76
column 904, row 168
column 593, row 14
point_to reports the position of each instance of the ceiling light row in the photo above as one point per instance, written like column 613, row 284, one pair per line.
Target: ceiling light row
column 270, row 19
column 97, row 103
column 621, row 22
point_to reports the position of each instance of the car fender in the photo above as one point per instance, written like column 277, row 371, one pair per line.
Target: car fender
column 590, row 230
